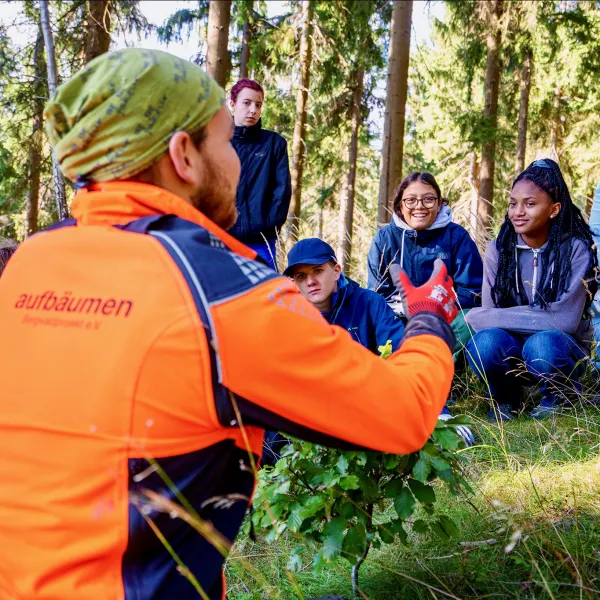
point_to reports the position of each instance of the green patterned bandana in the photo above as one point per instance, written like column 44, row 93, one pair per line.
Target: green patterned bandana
column 114, row 118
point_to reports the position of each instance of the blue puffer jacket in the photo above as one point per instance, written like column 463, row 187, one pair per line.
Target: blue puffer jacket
column 265, row 189
column 365, row 315
column 415, row 251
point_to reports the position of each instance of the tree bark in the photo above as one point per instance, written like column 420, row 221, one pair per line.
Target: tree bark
column 473, row 180
column 351, row 180
column 245, row 54
column 97, row 30
column 488, row 152
column 523, row 112
column 298, row 145
column 59, row 182
column 35, row 149
column 393, row 127
column 217, row 60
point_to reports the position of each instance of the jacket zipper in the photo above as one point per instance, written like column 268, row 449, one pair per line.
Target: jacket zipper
column 535, row 269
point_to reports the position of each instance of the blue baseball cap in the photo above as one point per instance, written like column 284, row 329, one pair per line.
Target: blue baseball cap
column 311, row 251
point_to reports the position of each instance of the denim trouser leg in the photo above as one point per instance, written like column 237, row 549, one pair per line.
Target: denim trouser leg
column 556, row 360
column 493, row 354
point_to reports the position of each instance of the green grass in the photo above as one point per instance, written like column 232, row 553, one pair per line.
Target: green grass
column 531, row 529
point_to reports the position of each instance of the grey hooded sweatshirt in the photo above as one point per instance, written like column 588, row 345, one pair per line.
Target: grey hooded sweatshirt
column 566, row 314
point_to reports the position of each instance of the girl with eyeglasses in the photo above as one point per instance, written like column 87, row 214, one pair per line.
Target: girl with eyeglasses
column 539, row 281
column 421, row 231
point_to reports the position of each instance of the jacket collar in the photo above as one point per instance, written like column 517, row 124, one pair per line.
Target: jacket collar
column 120, row 202
column 344, row 290
column 248, row 132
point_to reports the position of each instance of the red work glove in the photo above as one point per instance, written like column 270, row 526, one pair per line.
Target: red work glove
column 436, row 296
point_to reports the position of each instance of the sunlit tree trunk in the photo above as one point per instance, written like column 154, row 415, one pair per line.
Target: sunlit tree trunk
column 351, row 179
column 245, row 54
column 97, row 29
column 523, row 112
column 473, row 180
column 35, row 148
column 488, row 152
column 393, row 127
column 59, row 182
column 217, row 60
column 298, row 145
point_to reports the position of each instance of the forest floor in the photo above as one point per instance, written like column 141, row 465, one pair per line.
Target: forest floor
column 531, row 528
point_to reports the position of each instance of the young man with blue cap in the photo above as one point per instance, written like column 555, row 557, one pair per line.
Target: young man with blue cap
column 313, row 266
column 365, row 314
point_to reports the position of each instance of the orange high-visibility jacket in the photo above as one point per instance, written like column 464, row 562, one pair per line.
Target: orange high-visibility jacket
column 140, row 331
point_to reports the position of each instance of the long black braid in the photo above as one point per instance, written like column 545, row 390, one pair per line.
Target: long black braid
column 568, row 226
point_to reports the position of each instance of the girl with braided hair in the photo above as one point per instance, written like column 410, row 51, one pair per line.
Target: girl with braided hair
column 538, row 284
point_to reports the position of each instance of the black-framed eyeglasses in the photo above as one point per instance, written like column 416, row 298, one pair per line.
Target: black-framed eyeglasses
column 427, row 202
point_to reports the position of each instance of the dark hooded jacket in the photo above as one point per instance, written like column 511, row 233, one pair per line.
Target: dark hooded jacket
column 365, row 315
column 264, row 190
column 415, row 252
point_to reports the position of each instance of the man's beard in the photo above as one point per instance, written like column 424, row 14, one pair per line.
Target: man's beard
column 216, row 197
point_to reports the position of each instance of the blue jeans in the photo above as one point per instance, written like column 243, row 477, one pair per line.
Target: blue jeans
column 267, row 250
column 509, row 362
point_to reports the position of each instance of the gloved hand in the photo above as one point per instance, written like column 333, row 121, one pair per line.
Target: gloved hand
column 436, row 296
column 465, row 432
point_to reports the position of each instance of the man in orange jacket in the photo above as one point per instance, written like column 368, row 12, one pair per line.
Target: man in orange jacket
column 149, row 351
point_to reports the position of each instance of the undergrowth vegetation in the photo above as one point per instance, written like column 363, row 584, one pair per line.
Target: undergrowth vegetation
column 529, row 527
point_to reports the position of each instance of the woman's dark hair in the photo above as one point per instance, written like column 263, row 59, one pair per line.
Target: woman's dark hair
column 7, row 249
column 427, row 178
column 566, row 227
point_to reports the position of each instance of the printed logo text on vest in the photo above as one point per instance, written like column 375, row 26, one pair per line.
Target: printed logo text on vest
column 49, row 301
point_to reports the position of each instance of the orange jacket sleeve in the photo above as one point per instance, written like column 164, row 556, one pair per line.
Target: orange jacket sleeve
column 279, row 354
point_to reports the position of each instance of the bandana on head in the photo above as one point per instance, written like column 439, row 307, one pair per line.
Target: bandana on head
column 115, row 117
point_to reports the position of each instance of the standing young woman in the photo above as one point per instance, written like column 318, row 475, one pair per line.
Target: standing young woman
column 264, row 191
column 538, row 285
column 421, row 231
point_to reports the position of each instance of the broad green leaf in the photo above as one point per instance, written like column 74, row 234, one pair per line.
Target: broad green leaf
column 420, row 526
column 397, row 527
column 354, row 542
column 387, row 536
column 437, row 528
column 404, row 504
column 391, row 461
column 449, row 526
column 349, row 482
column 422, row 469
column 295, row 521
column 319, row 562
column 439, row 464
column 311, row 507
column 423, row 493
column 347, row 510
column 333, row 534
column 342, row 464
column 393, row 488
column 446, row 438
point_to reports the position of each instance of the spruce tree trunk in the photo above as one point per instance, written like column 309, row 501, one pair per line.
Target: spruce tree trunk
column 473, row 180
column 488, row 152
column 393, row 127
column 245, row 54
column 523, row 112
column 35, row 149
column 298, row 145
column 59, row 182
column 351, row 180
column 97, row 29
column 217, row 60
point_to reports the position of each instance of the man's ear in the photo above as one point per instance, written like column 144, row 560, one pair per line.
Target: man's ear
column 337, row 269
column 184, row 156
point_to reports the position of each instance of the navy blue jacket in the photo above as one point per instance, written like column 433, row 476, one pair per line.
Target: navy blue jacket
column 265, row 189
column 415, row 251
column 365, row 315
